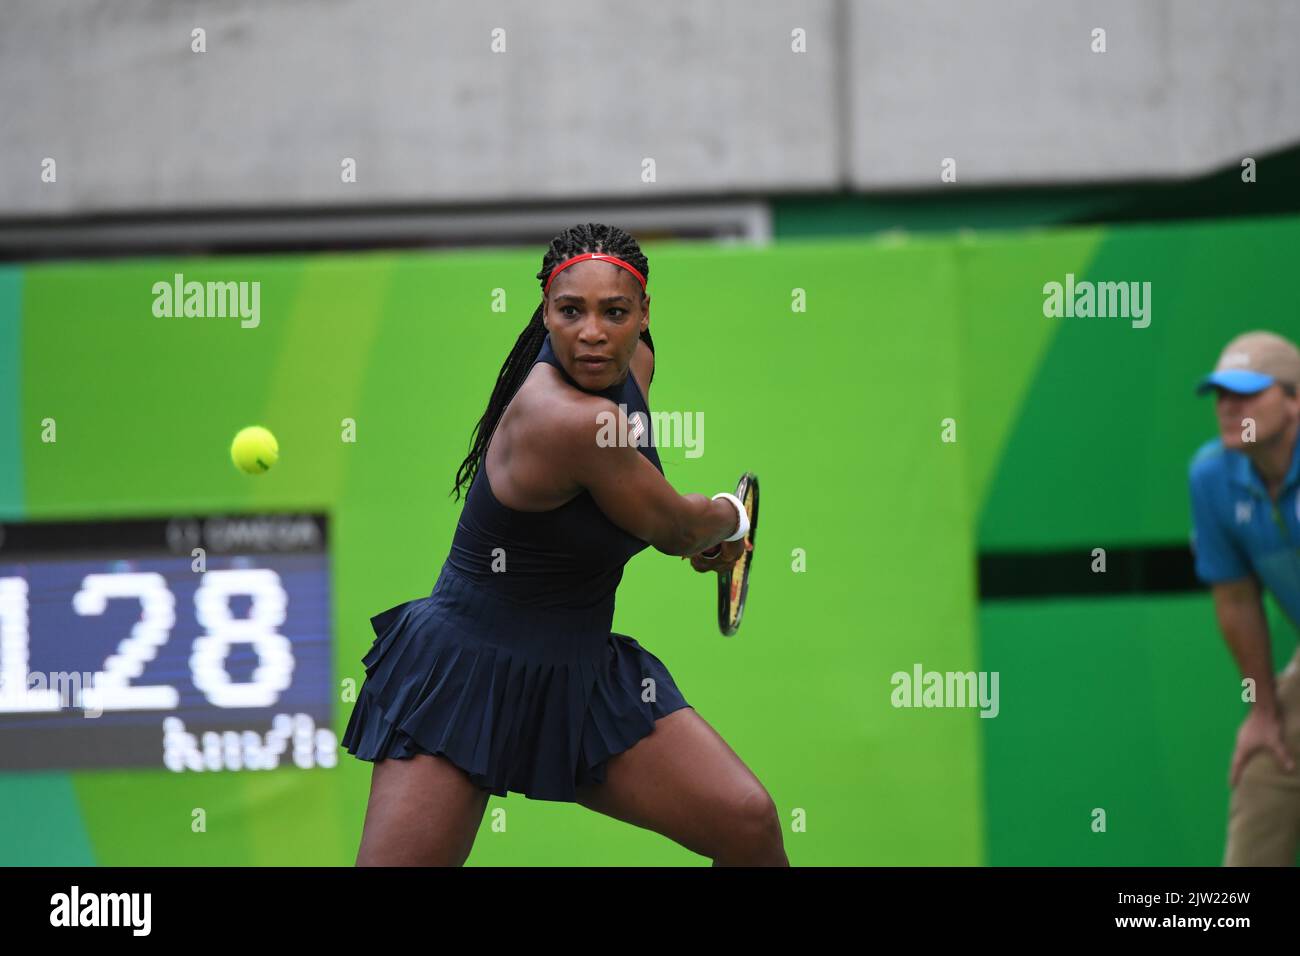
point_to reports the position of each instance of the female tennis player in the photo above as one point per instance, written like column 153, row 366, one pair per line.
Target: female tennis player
column 507, row 677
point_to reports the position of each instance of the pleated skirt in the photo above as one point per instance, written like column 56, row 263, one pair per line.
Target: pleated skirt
column 526, row 700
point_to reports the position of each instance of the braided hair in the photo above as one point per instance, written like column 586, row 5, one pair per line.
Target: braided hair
column 585, row 237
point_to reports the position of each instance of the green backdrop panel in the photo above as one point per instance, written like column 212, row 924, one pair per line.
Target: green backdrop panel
column 407, row 346
column 1071, row 433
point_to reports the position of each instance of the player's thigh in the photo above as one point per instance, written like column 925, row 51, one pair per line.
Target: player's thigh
column 422, row 811
column 685, row 782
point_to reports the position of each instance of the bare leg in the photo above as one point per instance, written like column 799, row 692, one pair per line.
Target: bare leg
column 422, row 812
column 684, row 782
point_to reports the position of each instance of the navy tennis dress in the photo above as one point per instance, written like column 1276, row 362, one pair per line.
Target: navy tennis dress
column 515, row 675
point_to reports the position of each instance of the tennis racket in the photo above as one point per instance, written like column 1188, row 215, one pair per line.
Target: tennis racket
column 733, row 584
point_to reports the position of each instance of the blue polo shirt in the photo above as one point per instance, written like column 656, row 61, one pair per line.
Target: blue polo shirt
column 1238, row 530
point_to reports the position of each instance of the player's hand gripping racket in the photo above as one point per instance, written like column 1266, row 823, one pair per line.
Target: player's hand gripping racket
column 733, row 584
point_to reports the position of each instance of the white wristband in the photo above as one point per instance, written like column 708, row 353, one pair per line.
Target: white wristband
column 743, row 527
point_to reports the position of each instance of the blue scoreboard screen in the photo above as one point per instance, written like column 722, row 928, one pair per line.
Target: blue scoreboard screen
column 195, row 644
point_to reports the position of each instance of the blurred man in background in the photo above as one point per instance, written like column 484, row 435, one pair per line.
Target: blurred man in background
column 1245, row 494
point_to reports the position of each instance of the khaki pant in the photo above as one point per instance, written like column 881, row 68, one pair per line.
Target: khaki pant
column 1264, row 813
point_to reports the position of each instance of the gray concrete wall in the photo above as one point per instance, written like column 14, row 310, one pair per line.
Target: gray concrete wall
column 1012, row 90
column 585, row 91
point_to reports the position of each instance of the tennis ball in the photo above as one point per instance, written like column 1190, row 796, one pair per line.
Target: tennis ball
column 254, row 450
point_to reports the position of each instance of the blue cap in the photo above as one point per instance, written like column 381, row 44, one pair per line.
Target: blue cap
column 1239, row 380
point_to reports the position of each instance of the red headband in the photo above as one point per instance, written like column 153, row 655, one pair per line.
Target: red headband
column 604, row 257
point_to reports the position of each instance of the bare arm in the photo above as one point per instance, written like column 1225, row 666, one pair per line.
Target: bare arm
column 632, row 493
column 1240, row 610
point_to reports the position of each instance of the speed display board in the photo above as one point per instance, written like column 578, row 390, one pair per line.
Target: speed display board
column 191, row 643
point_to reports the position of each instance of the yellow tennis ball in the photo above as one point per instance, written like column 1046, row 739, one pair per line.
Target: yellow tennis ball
column 254, row 450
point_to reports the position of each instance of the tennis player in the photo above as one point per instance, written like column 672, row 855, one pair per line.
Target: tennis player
column 507, row 678
column 1245, row 493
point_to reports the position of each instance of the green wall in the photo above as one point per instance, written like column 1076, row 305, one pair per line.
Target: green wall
column 1070, row 433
